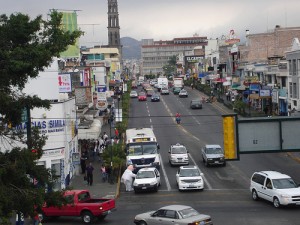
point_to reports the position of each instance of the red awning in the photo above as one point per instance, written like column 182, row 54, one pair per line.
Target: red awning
column 220, row 80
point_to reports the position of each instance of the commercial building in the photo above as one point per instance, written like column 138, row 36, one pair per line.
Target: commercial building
column 156, row 54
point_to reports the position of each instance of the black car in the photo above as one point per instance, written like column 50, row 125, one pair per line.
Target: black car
column 196, row 104
column 155, row 98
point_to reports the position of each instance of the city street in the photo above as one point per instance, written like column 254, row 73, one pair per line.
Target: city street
column 226, row 197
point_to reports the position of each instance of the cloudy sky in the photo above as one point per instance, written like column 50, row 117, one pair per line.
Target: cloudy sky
column 167, row 19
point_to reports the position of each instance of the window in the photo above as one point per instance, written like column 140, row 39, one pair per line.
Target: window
column 257, row 178
column 269, row 184
column 294, row 66
column 170, row 214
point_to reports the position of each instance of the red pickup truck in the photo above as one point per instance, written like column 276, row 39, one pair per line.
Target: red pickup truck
column 80, row 203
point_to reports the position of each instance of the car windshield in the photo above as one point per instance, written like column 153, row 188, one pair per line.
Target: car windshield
column 196, row 102
column 183, row 91
column 133, row 92
column 189, row 173
column 189, row 212
column 179, row 150
column 284, row 183
column 144, row 174
column 142, row 94
column 214, row 151
column 142, row 148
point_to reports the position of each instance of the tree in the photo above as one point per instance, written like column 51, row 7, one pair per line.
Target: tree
column 170, row 68
column 27, row 47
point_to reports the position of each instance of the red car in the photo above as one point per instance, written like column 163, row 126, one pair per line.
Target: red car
column 142, row 96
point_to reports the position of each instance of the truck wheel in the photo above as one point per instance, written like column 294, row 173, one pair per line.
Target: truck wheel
column 87, row 217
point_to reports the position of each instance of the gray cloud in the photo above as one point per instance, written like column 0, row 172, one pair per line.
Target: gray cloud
column 166, row 19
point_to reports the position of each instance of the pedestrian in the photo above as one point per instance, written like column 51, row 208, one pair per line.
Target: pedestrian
column 105, row 136
column 89, row 174
column 36, row 218
column 103, row 173
column 83, row 159
column 192, row 85
column 127, row 178
column 116, row 133
column 109, row 174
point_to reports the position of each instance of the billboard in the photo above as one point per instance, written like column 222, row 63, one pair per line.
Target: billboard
column 69, row 22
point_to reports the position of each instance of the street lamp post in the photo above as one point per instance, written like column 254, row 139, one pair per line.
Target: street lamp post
column 111, row 147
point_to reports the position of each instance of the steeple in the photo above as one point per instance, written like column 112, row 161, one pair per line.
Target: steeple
column 113, row 26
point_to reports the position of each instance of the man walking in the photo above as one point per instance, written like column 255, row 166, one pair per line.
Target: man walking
column 89, row 174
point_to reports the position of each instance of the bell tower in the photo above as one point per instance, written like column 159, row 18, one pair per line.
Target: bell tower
column 113, row 26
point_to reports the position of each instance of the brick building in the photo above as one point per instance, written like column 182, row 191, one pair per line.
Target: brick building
column 259, row 47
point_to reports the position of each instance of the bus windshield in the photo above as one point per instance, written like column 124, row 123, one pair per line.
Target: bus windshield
column 142, row 148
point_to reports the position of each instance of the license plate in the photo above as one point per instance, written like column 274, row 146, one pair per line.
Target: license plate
column 191, row 185
column 216, row 161
column 144, row 187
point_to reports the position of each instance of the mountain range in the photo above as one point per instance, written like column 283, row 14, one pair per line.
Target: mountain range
column 131, row 48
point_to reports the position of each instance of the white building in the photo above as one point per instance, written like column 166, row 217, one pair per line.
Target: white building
column 58, row 123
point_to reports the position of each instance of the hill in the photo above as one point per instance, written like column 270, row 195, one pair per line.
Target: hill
column 131, row 48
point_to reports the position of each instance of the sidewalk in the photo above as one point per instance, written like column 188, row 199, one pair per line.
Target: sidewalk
column 99, row 188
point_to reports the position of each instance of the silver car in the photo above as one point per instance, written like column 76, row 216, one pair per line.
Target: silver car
column 173, row 214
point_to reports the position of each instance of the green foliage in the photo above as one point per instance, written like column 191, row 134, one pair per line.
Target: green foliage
column 27, row 47
column 150, row 76
column 240, row 106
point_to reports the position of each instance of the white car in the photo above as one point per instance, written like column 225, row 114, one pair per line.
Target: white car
column 178, row 155
column 189, row 178
column 183, row 94
column 165, row 91
column 147, row 179
column 275, row 187
column 213, row 155
column 133, row 94
column 171, row 215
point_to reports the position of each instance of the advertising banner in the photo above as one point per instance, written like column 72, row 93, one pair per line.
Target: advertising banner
column 64, row 83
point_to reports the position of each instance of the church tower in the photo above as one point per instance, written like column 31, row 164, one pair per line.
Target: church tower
column 113, row 26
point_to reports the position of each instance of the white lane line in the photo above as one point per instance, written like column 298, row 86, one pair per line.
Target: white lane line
column 165, row 174
column 205, row 180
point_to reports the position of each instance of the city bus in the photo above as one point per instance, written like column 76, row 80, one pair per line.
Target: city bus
column 142, row 148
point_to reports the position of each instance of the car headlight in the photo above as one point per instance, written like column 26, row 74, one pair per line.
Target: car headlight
column 284, row 196
column 153, row 182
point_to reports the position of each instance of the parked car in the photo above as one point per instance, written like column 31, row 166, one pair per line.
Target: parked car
column 178, row 155
column 189, row 178
column 142, row 96
column 275, row 187
column 80, row 204
column 147, row 179
column 182, row 214
column 176, row 90
column 133, row 94
column 213, row 155
column 165, row 91
column 183, row 93
column 196, row 104
column 155, row 97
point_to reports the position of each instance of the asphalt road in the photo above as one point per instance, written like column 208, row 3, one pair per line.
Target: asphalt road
column 226, row 197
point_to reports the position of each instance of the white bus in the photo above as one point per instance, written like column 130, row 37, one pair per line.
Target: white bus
column 142, row 148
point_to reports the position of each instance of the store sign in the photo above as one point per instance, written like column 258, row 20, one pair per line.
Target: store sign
column 64, row 83
column 264, row 93
column 53, row 152
column 193, row 59
column 45, row 126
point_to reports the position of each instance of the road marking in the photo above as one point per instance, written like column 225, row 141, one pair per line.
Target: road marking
column 165, row 174
column 205, row 180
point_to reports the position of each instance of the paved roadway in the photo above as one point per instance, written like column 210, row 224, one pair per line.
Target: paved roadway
column 226, row 196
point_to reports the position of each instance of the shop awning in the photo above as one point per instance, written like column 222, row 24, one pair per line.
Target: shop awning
column 92, row 132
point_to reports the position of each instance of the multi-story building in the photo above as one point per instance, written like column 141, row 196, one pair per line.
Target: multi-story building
column 156, row 54
column 293, row 59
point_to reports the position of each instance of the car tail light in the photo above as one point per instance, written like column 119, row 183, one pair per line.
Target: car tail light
column 194, row 223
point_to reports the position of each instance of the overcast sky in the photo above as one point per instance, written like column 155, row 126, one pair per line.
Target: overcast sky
column 168, row 19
